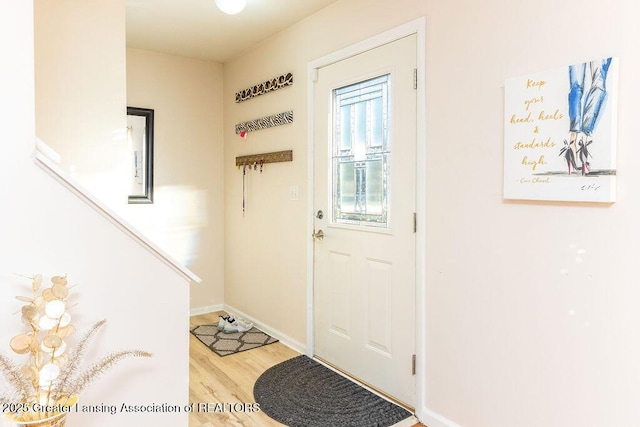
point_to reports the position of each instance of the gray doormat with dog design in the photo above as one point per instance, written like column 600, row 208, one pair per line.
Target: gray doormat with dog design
column 225, row 344
column 301, row 392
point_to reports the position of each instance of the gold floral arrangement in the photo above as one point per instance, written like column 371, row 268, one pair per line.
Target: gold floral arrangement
column 49, row 383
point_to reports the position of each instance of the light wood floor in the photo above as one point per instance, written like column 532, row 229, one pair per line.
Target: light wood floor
column 228, row 380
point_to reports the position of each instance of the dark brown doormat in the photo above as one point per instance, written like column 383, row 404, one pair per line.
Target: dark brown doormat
column 225, row 344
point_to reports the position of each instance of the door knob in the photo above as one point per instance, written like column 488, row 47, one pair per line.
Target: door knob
column 319, row 235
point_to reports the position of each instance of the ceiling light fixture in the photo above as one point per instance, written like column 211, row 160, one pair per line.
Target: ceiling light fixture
column 231, row 7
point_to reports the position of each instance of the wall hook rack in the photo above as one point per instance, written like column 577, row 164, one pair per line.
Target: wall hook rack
column 274, row 157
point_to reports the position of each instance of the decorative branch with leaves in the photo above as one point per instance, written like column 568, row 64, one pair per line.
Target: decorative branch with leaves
column 51, row 376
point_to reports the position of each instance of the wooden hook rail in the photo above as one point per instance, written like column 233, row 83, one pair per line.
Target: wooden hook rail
column 275, row 157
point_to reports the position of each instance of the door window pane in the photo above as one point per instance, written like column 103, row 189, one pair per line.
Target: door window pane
column 360, row 153
column 347, row 190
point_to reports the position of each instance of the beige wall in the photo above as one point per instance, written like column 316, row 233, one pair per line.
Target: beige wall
column 530, row 315
column 45, row 228
column 186, row 218
column 85, row 78
column 80, row 91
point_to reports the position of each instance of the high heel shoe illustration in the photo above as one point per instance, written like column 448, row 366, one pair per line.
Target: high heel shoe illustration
column 583, row 155
column 569, row 156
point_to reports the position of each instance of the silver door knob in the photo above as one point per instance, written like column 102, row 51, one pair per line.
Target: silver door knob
column 318, row 235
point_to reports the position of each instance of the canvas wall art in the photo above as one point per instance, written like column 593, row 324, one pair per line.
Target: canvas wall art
column 560, row 134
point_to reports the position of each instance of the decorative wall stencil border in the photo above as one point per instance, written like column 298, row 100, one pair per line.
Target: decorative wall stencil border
column 265, row 87
column 275, row 157
column 265, row 122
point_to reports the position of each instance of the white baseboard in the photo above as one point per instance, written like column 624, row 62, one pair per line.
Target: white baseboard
column 283, row 338
column 206, row 310
column 408, row 422
column 433, row 419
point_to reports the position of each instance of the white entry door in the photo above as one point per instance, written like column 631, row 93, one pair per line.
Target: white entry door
column 364, row 198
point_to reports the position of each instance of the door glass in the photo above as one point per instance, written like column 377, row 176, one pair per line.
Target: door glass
column 360, row 153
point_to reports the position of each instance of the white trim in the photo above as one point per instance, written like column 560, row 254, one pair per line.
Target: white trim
column 206, row 309
column 54, row 171
column 283, row 338
column 407, row 422
column 48, row 152
column 421, row 217
column 433, row 419
column 404, row 30
column 417, row 27
column 312, row 77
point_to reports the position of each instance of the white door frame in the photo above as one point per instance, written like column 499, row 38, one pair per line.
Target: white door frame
column 417, row 27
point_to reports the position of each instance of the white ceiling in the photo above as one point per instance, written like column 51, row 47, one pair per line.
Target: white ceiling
column 198, row 29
